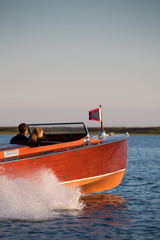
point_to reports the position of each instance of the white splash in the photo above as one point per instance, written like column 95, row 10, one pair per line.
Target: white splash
column 37, row 198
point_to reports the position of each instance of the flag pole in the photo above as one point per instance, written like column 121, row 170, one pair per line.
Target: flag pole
column 101, row 119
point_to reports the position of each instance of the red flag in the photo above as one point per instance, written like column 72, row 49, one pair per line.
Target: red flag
column 95, row 115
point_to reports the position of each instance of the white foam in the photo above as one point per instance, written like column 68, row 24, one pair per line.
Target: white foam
column 37, row 198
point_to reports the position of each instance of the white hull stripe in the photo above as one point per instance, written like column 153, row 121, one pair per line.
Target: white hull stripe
column 83, row 179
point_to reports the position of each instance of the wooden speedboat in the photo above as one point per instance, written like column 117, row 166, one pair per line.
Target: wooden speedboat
column 92, row 163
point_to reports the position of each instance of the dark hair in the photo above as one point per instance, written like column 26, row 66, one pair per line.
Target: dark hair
column 22, row 127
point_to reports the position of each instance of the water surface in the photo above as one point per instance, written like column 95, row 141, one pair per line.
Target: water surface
column 49, row 211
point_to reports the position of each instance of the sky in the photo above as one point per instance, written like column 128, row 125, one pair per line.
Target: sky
column 61, row 58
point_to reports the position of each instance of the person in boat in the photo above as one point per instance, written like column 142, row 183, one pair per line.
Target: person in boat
column 21, row 137
column 37, row 135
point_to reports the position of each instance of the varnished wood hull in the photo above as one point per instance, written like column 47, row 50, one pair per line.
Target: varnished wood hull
column 100, row 183
column 94, row 167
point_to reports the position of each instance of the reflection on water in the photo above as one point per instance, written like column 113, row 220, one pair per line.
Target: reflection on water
column 100, row 200
column 101, row 217
column 111, row 209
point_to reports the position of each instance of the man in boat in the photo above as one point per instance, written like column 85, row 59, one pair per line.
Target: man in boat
column 21, row 137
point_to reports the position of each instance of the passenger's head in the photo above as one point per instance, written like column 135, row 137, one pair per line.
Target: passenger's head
column 36, row 133
column 23, row 128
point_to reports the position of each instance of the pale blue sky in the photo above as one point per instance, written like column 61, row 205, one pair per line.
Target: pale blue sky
column 59, row 59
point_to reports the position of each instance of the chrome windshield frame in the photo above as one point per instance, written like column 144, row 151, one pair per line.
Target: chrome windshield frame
column 56, row 124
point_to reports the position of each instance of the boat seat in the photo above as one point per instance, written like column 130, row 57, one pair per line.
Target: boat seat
column 64, row 137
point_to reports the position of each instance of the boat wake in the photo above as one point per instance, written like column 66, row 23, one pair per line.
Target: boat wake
column 39, row 198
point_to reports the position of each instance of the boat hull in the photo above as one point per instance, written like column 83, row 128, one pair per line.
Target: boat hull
column 100, row 183
column 92, row 168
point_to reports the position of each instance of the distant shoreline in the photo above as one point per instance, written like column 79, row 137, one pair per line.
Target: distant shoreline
column 130, row 130
column 95, row 130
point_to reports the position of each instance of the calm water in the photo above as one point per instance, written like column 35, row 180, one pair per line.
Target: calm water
column 48, row 211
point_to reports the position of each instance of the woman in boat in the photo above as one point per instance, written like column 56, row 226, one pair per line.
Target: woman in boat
column 37, row 135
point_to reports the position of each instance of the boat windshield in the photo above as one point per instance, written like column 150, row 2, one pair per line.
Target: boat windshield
column 60, row 128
